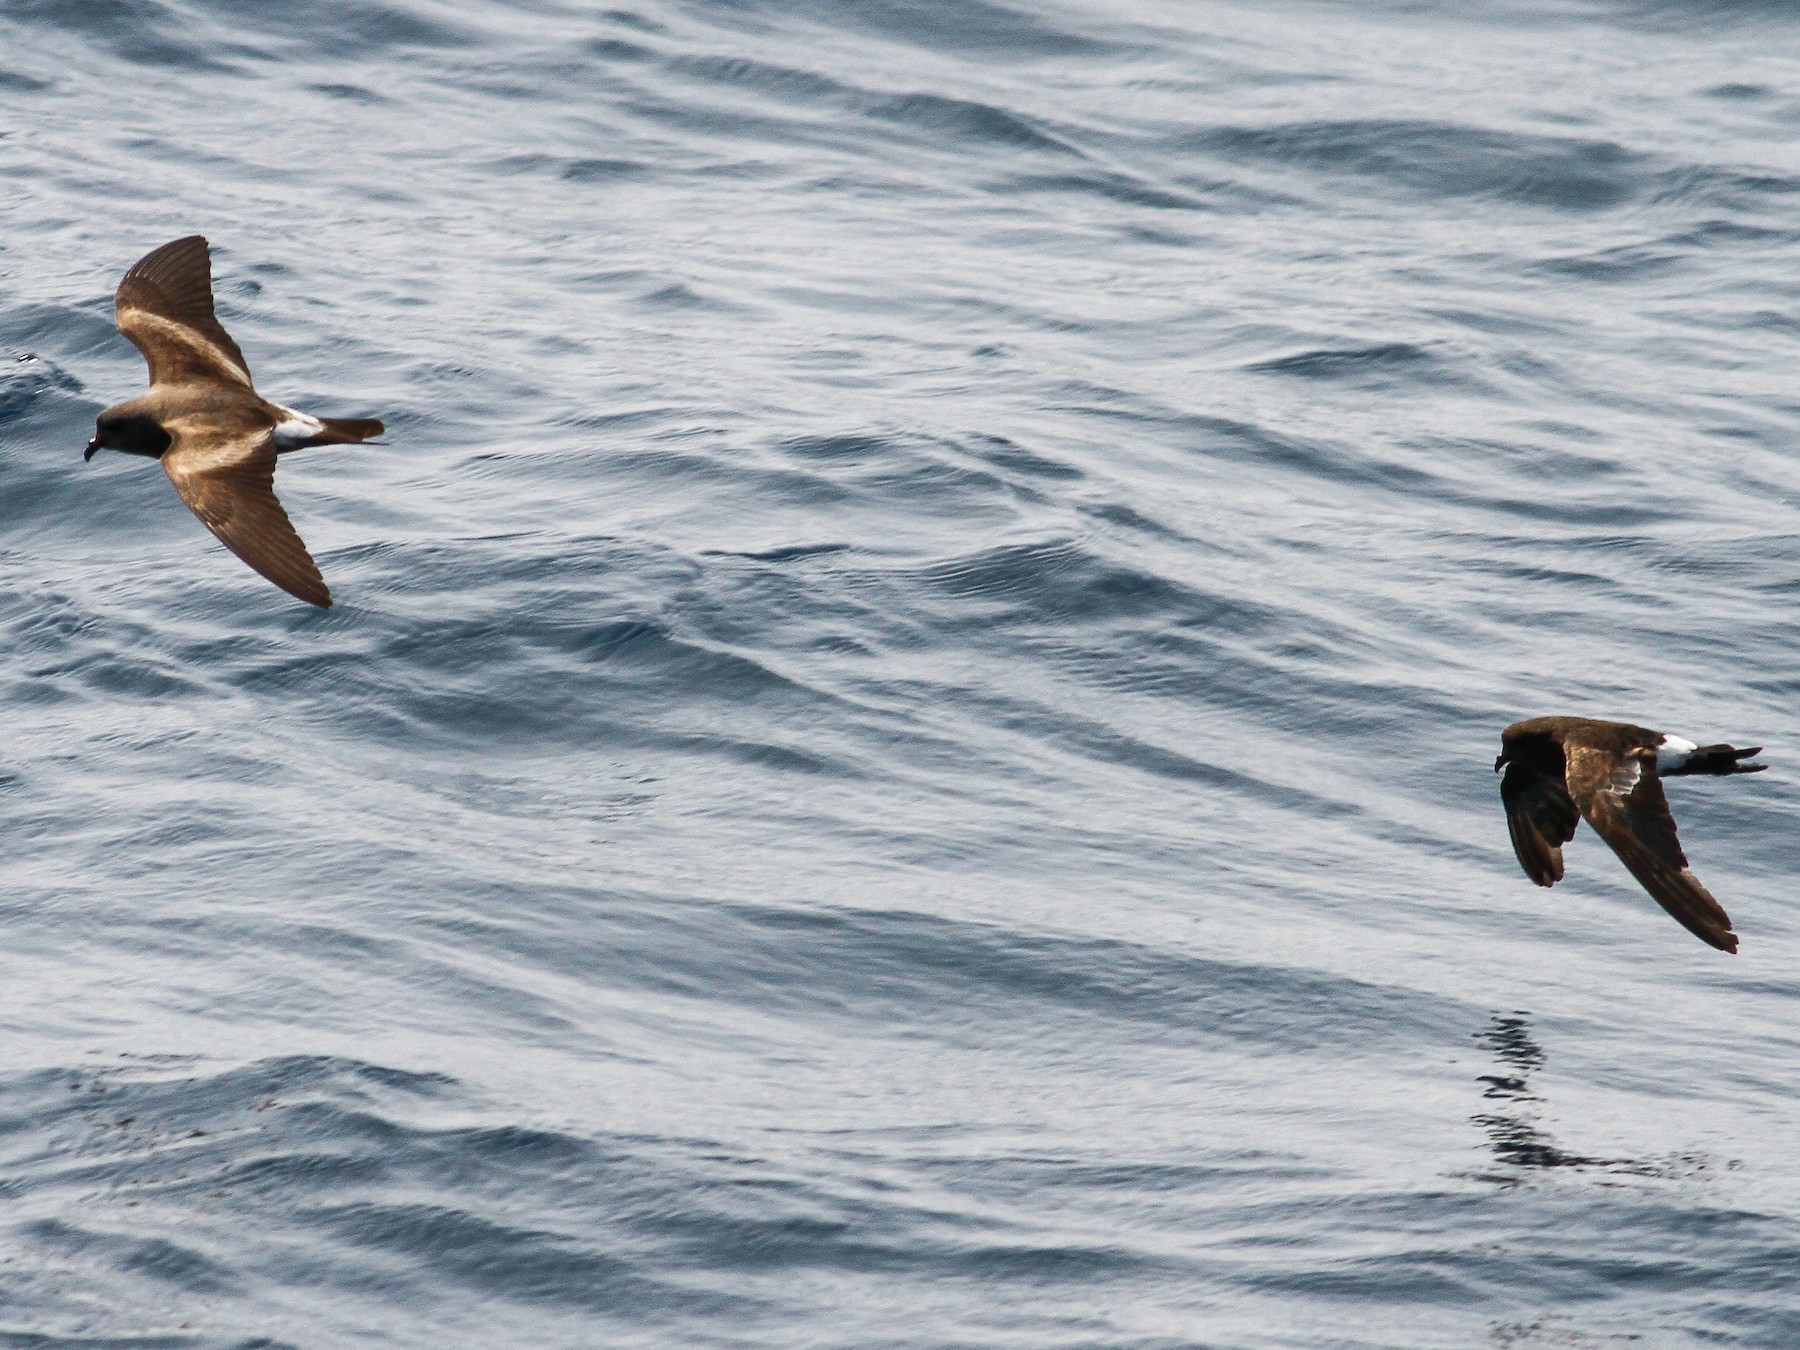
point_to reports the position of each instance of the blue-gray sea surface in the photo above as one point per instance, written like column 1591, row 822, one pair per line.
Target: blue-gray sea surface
column 904, row 754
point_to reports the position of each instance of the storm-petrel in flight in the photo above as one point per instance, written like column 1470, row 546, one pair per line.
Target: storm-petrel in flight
column 216, row 436
column 1611, row 772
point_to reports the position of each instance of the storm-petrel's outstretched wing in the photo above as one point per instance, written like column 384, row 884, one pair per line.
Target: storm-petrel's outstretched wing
column 227, row 478
column 1620, row 794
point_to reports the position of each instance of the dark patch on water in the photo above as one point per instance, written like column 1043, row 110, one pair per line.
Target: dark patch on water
column 1518, row 1141
column 1352, row 363
column 1450, row 161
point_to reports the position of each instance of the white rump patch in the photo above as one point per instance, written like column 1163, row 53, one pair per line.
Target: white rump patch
column 1673, row 753
column 296, row 427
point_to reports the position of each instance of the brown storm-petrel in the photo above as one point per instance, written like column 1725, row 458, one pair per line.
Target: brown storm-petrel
column 216, row 436
column 1611, row 773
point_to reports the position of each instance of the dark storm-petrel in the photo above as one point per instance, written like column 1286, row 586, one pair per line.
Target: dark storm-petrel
column 1611, row 773
column 216, row 436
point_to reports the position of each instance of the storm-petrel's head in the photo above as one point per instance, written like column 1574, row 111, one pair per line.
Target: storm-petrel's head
column 134, row 433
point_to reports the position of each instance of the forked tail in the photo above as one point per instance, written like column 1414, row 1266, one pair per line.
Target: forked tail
column 1718, row 759
column 349, row 431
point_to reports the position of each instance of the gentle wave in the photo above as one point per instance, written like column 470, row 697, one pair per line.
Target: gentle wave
column 903, row 757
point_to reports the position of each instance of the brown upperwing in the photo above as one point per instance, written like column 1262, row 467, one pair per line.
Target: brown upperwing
column 1621, row 796
column 226, row 475
column 1541, row 819
column 165, row 306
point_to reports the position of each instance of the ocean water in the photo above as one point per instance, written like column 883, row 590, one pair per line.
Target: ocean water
column 903, row 758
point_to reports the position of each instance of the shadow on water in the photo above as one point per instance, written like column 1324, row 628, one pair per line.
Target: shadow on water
column 1557, row 1330
column 1512, row 1126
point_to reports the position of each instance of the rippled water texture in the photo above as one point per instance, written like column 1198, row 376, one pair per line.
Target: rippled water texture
column 903, row 757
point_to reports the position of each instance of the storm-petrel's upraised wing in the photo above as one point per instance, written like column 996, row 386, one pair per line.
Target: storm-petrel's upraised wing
column 165, row 306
